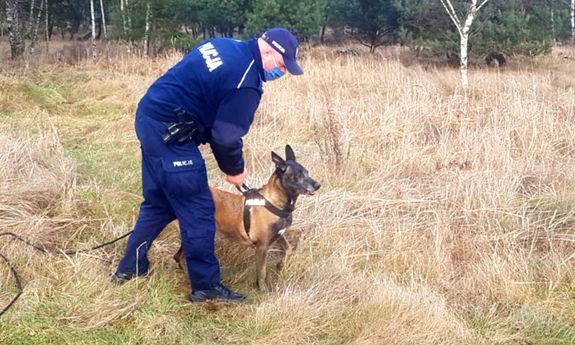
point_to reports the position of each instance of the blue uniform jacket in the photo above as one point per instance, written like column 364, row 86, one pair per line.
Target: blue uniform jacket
column 220, row 83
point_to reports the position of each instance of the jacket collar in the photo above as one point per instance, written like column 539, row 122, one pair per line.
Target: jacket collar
column 255, row 50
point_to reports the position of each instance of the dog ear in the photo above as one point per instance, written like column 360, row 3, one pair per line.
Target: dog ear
column 280, row 163
column 290, row 155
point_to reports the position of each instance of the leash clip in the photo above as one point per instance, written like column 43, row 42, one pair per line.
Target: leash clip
column 243, row 188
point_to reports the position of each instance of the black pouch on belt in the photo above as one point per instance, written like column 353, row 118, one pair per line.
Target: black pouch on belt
column 186, row 129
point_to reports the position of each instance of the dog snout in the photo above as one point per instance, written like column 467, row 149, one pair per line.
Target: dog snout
column 315, row 185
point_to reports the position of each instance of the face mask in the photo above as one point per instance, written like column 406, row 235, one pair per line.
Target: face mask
column 275, row 73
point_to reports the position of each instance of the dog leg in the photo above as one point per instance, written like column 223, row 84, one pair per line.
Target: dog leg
column 286, row 250
column 261, row 258
column 179, row 257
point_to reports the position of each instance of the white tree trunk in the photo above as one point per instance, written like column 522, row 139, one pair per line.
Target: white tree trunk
column 103, row 19
column 15, row 28
column 93, row 28
column 463, row 30
column 463, row 43
column 125, row 30
column 553, row 26
column 46, row 17
column 127, row 3
column 31, row 18
column 147, row 32
column 36, row 26
column 573, row 22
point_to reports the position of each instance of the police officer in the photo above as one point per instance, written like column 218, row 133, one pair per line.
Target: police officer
column 210, row 96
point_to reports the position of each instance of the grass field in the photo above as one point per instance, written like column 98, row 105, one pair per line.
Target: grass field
column 444, row 217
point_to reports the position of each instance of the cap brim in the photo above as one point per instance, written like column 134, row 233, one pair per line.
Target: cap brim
column 293, row 67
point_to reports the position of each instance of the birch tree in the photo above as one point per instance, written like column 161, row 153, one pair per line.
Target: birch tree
column 147, row 29
column 31, row 18
column 93, row 28
column 46, row 28
column 553, row 26
column 463, row 28
column 103, row 19
column 15, row 28
column 129, row 14
column 571, row 4
column 573, row 22
column 35, row 27
column 122, row 11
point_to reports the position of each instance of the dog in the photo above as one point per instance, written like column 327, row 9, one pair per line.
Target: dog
column 259, row 218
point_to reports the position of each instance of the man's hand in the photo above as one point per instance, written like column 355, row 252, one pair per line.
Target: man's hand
column 237, row 180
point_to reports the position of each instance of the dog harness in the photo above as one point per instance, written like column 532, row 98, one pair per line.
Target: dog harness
column 253, row 197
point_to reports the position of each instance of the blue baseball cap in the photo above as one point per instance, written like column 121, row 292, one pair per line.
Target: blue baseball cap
column 285, row 43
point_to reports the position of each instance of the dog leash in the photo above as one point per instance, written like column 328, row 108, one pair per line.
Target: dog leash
column 253, row 197
column 18, row 284
column 43, row 249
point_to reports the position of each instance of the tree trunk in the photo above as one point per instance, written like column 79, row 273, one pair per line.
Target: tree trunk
column 31, row 19
column 124, row 28
column 573, row 22
column 15, row 28
column 464, row 46
column 129, row 13
column 463, row 63
column 48, row 32
column 36, row 26
column 103, row 19
column 553, row 26
column 147, row 32
column 322, row 33
column 93, row 28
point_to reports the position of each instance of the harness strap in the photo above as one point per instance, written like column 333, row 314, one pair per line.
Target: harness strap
column 247, row 219
column 253, row 197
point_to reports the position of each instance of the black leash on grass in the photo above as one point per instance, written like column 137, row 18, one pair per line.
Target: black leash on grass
column 43, row 249
column 18, row 284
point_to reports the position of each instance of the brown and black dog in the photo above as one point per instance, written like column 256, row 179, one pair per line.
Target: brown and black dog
column 269, row 212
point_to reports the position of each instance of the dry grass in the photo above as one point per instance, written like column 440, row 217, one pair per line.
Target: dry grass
column 444, row 218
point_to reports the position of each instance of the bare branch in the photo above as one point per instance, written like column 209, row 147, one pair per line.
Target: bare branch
column 482, row 4
column 451, row 12
column 360, row 41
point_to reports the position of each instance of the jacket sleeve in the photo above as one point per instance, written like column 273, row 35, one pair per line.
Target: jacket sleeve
column 233, row 119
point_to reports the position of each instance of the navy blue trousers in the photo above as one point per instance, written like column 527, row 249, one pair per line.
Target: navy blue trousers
column 175, row 186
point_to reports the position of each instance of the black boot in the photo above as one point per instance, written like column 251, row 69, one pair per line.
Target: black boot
column 218, row 291
column 121, row 278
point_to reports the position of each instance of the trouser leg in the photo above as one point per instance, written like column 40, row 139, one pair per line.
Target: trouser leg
column 189, row 195
column 197, row 233
column 155, row 214
column 151, row 221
